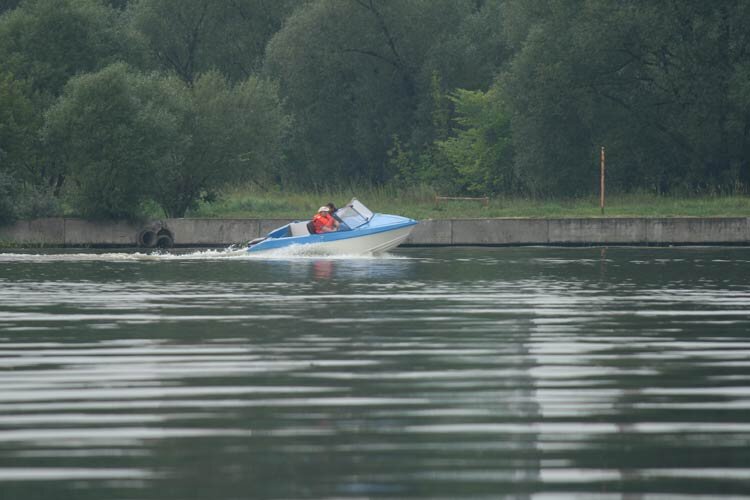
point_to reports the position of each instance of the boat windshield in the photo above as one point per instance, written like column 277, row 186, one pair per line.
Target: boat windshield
column 354, row 214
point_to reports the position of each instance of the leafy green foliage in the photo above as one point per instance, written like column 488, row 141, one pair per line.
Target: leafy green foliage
column 37, row 201
column 481, row 150
column 191, row 37
column 6, row 5
column 353, row 74
column 428, row 167
column 229, row 134
column 657, row 83
column 47, row 43
column 42, row 45
column 17, row 123
column 124, row 138
column 8, row 195
column 111, row 135
column 107, row 106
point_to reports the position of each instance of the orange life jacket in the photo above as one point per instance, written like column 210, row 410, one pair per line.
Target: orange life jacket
column 321, row 221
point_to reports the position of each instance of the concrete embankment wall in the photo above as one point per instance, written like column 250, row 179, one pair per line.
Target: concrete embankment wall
column 584, row 231
column 507, row 231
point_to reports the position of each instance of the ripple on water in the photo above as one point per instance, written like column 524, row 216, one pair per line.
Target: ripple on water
column 429, row 373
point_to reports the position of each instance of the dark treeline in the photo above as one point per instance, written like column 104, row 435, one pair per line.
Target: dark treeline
column 107, row 107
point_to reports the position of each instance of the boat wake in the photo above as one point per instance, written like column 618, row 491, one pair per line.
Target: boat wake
column 296, row 252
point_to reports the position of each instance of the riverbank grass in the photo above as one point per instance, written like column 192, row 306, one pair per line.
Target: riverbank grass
column 422, row 204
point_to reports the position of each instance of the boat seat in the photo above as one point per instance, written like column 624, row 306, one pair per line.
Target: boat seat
column 299, row 229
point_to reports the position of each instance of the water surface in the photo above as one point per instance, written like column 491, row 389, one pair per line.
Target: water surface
column 426, row 373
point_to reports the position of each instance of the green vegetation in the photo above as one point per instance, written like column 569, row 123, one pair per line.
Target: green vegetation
column 420, row 203
column 126, row 108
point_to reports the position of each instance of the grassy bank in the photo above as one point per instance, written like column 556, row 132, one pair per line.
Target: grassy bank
column 421, row 204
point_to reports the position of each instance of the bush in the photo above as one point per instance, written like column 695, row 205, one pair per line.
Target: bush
column 8, row 198
column 35, row 202
column 111, row 134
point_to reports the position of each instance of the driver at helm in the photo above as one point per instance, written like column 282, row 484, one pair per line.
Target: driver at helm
column 323, row 221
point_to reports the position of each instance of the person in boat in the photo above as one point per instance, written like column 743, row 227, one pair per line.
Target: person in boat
column 323, row 222
column 332, row 210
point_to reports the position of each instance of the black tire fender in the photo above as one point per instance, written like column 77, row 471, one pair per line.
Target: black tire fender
column 147, row 238
column 164, row 239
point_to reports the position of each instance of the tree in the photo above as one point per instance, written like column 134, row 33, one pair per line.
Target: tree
column 191, row 37
column 43, row 44
column 481, row 151
column 46, row 43
column 8, row 197
column 125, row 137
column 230, row 134
column 352, row 72
column 473, row 53
column 654, row 82
column 111, row 133
column 17, row 123
column 6, row 5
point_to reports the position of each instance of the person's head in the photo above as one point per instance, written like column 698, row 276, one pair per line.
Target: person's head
column 331, row 207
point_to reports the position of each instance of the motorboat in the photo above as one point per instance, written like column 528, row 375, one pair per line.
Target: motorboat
column 360, row 232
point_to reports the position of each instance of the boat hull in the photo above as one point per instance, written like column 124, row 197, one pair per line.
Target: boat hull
column 356, row 242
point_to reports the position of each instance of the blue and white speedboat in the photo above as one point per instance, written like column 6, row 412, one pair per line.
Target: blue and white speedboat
column 360, row 232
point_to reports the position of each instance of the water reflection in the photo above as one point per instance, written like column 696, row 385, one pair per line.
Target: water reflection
column 471, row 373
column 322, row 269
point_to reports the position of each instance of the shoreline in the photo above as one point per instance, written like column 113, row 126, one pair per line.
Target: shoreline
column 511, row 231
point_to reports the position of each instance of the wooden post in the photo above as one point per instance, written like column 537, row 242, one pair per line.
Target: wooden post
column 601, row 180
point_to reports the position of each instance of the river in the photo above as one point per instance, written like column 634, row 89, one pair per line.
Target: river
column 443, row 373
